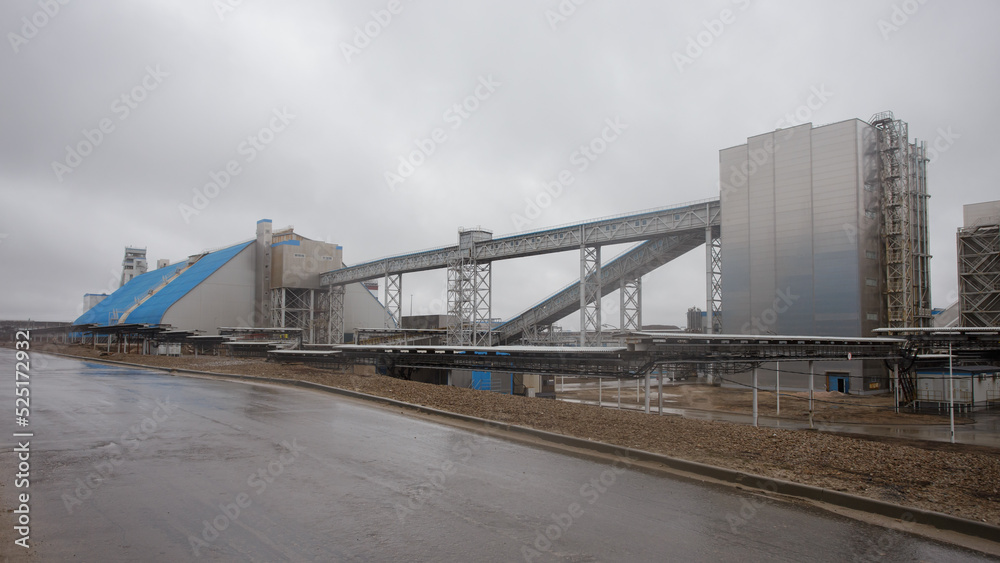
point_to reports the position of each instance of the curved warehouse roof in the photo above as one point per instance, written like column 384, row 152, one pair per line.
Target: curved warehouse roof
column 152, row 310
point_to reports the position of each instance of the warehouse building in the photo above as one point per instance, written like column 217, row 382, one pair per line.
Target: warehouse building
column 269, row 281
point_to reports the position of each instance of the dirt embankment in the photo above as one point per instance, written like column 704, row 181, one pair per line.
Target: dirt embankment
column 957, row 479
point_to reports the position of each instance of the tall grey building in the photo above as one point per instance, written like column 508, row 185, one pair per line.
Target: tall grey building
column 134, row 264
column 824, row 232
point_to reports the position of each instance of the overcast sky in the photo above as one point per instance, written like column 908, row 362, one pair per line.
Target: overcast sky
column 312, row 103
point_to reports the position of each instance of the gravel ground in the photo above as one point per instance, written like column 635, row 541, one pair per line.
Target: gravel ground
column 828, row 406
column 958, row 479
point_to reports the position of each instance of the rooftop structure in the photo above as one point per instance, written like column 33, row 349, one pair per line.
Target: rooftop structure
column 134, row 264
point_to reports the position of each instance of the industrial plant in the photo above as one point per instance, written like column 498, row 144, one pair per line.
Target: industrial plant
column 817, row 263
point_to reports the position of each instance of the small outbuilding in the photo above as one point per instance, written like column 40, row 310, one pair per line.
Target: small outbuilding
column 974, row 387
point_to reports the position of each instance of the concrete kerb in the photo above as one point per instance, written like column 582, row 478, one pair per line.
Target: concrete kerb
column 746, row 480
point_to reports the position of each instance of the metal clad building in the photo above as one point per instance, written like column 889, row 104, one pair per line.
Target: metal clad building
column 979, row 265
column 270, row 281
column 806, row 235
column 801, row 249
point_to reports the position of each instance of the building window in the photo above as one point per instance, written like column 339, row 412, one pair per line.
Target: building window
column 871, row 255
column 871, row 282
column 870, row 214
column 871, row 317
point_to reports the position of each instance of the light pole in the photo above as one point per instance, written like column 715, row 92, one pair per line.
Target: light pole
column 951, row 393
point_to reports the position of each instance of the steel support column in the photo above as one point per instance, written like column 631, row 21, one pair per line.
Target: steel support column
column 713, row 282
column 470, row 303
column 482, row 306
column 631, row 304
column 277, row 308
column 590, row 296
column 335, row 326
column 393, row 300
column 312, row 316
column 459, row 303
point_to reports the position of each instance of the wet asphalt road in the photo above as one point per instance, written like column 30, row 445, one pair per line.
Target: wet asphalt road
column 136, row 465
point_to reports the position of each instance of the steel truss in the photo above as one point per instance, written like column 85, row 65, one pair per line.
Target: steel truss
column 713, row 261
column 335, row 315
column 645, row 225
column 630, row 295
column 633, row 264
column 902, row 174
column 979, row 275
column 539, row 334
column 590, row 296
column 307, row 309
column 470, row 303
column 393, row 300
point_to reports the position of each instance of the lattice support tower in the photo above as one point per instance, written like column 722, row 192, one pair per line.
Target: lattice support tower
column 335, row 315
column 482, row 306
column 538, row 334
column 713, row 280
column 979, row 275
column 631, row 304
column 894, row 176
column 393, row 284
column 277, row 309
column 458, row 301
column 469, row 303
column 590, row 296
column 298, row 308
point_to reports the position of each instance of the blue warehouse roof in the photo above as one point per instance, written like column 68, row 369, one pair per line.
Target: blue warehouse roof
column 151, row 312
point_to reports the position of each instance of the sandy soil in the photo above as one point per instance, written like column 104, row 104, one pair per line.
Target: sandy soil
column 958, row 479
